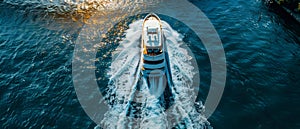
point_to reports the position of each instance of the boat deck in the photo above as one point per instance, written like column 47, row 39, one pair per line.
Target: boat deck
column 152, row 32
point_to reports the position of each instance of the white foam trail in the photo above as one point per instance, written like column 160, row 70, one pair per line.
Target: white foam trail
column 123, row 74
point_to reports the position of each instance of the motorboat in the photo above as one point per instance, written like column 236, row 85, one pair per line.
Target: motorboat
column 155, row 61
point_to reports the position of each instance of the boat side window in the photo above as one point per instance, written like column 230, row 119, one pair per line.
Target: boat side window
column 153, row 62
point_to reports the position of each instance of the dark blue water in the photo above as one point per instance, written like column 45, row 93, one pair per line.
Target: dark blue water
column 263, row 62
column 262, row 51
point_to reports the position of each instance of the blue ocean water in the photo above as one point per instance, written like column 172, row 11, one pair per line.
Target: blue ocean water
column 262, row 52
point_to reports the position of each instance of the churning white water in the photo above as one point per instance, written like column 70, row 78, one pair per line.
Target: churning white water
column 135, row 107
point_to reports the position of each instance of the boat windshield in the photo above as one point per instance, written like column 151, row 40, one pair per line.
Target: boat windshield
column 154, row 52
